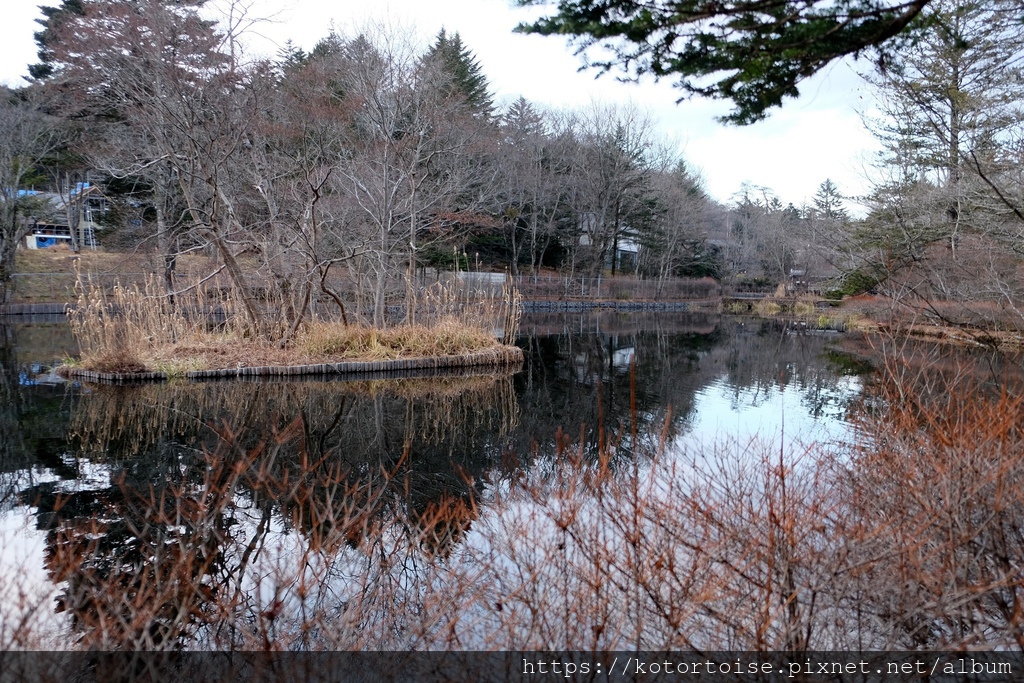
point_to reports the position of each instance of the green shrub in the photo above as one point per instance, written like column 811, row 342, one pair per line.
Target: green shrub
column 855, row 282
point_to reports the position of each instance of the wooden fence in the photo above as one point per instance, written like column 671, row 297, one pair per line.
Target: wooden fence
column 42, row 288
column 616, row 288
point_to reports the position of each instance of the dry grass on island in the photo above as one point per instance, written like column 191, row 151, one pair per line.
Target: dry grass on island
column 315, row 344
column 135, row 330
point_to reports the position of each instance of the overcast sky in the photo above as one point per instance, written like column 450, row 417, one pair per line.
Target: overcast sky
column 816, row 137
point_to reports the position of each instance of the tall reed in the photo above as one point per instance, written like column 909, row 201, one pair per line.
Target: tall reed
column 128, row 328
column 119, row 328
column 475, row 305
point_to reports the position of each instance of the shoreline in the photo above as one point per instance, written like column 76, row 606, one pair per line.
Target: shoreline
column 497, row 357
column 963, row 336
column 529, row 306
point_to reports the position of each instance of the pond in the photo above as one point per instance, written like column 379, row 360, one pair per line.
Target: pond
column 641, row 476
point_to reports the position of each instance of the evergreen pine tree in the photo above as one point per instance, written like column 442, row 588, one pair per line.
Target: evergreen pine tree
column 750, row 52
column 828, row 203
column 53, row 17
column 291, row 57
column 522, row 122
column 463, row 71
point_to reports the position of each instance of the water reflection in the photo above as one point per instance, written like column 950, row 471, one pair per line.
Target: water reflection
column 694, row 375
column 219, row 514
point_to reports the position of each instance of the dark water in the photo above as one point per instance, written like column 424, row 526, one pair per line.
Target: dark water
column 98, row 472
column 680, row 374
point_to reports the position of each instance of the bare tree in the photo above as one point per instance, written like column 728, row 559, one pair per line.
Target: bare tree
column 172, row 84
column 951, row 118
column 410, row 155
column 534, row 177
column 677, row 242
column 29, row 137
column 612, row 170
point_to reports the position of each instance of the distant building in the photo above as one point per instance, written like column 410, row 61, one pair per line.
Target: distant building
column 622, row 255
column 51, row 226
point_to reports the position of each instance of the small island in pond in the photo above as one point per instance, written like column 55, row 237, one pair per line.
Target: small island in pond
column 134, row 334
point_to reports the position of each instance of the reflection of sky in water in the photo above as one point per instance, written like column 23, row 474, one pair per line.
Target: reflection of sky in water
column 798, row 414
column 622, row 357
column 25, row 585
column 26, row 592
column 808, row 403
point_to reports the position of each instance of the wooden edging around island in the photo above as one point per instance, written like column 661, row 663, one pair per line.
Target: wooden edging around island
column 502, row 356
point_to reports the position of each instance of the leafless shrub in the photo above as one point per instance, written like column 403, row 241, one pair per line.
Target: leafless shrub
column 936, row 485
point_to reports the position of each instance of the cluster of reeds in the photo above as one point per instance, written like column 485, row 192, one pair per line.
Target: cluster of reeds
column 476, row 305
column 805, row 306
column 119, row 328
column 133, row 328
column 448, row 317
column 446, row 337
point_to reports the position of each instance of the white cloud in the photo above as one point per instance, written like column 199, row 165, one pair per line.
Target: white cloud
column 17, row 45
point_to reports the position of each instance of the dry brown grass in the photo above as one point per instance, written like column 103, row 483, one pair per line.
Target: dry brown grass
column 135, row 329
column 766, row 309
column 130, row 328
column 493, row 310
column 976, row 324
column 448, row 337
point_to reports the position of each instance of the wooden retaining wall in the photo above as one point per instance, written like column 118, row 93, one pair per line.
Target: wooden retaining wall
column 49, row 308
column 503, row 356
column 562, row 306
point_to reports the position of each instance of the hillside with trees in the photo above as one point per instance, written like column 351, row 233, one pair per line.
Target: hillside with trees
column 344, row 175
column 365, row 161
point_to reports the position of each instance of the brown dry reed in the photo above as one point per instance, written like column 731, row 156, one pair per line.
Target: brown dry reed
column 122, row 329
column 133, row 328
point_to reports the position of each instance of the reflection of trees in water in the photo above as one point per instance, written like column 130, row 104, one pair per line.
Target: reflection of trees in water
column 32, row 413
column 10, row 411
column 584, row 379
column 311, row 515
column 909, row 538
column 762, row 357
column 202, row 477
column 370, row 419
column 675, row 357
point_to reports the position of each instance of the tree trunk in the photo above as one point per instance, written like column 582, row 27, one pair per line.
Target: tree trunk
column 615, row 237
column 234, row 270
column 170, row 256
column 378, row 293
column 6, row 280
column 8, row 247
column 72, row 211
column 238, row 281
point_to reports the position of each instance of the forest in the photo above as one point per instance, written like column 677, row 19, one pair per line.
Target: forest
column 344, row 172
